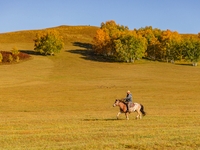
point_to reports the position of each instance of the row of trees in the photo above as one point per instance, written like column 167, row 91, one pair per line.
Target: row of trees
column 117, row 41
column 121, row 44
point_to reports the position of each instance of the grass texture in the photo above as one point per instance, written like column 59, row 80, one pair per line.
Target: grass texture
column 65, row 103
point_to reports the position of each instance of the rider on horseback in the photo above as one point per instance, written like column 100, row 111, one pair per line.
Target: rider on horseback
column 128, row 100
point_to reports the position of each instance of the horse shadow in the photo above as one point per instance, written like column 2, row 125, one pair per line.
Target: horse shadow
column 108, row 119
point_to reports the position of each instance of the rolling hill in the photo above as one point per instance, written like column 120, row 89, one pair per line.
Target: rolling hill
column 24, row 39
column 65, row 101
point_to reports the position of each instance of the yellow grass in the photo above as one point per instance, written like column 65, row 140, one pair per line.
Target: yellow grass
column 65, row 102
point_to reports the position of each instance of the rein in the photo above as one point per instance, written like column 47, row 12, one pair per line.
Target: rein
column 120, row 101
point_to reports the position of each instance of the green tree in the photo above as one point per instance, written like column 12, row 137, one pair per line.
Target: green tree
column 130, row 46
column 48, row 42
column 191, row 47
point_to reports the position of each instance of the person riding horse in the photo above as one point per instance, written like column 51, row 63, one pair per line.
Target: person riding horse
column 128, row 100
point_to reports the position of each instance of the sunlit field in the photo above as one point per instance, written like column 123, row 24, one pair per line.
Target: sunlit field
column 65, row 102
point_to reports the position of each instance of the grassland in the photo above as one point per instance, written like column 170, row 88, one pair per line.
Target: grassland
column 65, row 102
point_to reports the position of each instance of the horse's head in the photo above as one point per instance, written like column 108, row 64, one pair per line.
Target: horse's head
column 116, row 103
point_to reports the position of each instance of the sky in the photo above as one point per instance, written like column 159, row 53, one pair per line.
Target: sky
column 182, row 16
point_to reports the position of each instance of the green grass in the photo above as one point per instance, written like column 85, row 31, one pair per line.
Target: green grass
column 65, row 102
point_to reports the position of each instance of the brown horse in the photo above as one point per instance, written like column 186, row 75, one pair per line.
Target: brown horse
column 139, row 108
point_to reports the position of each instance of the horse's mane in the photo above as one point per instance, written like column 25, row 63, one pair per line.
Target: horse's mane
column 121, row 100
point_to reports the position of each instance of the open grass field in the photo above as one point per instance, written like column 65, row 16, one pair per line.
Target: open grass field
column 65, row 103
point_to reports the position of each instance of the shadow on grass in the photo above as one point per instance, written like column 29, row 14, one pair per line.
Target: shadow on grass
column 90, row 55
column 83, row 45
column 182, row 64
column 87, row 53
column 100, row 119
column 30, row 52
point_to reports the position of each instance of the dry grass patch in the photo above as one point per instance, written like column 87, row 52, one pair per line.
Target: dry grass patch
column 65, row 102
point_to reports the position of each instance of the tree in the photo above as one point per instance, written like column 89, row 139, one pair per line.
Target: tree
column 171, row 45
column 152, row 36
column 103, row 42
column 130, row 46
column 199, row 35
column 191, row 48
column 48, row 42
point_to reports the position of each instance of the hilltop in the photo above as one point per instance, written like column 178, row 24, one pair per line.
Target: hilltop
column 69, row 33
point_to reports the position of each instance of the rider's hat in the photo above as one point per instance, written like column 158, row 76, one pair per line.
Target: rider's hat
column 128, row 91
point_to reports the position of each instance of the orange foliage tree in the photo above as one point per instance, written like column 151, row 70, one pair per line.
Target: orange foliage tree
column 171, row 45
column 152, row 36
column 118, row 42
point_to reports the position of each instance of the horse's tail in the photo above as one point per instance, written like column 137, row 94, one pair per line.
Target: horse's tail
column 142, row 110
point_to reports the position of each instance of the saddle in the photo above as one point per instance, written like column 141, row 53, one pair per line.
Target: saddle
column 131, row 104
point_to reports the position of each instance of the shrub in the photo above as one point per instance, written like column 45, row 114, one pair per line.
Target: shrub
column 9, row 57
column 15, row 53
column 1, row 57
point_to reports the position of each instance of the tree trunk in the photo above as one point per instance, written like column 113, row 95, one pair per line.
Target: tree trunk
column 194, row 63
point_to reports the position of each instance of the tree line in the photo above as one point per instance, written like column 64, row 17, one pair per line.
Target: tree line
column 121, row 44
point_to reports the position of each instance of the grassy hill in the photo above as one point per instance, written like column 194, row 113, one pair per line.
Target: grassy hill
column 65, row 101
column 24, row 39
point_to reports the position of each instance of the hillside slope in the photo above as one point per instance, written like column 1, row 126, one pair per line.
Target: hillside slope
column 65, row 101
column 70, row 34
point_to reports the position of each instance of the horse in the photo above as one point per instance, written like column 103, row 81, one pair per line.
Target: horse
column 134, row 107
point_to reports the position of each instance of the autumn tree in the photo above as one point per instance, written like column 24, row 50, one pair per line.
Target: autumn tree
column 153, row 44
column 103, row 42
column 199, row 35
column 118, row 42
column 171, row 45
column 48, row 42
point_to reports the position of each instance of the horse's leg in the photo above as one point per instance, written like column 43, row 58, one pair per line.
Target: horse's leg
column 118, row 114
column 138, row 114
column 126, row 114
